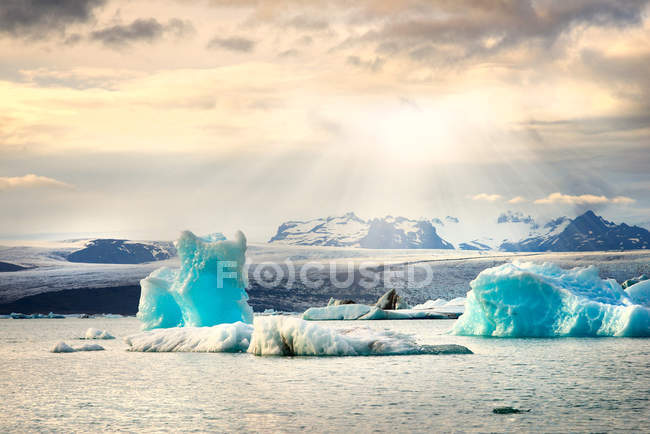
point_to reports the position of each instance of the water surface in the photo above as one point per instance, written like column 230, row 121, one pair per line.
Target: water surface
column 570, row 384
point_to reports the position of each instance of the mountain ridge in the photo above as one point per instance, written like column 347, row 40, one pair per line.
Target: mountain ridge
column 586, row 232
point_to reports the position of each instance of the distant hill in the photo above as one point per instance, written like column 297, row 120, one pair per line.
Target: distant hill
column 114, row 251
column 349, row 230
column 7, row 266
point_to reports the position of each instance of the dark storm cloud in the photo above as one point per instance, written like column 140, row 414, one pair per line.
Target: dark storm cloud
column 462, row 29
column 145, row 30
column 37, row 18
column 234, row 43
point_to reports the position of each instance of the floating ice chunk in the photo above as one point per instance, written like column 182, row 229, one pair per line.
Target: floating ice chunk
column 430, row 304
column 289, row 336
column 222, row 338
column 283, row 336
column 62, row 347
column 379, row 314
column 391, row 301
column 457, row 305
column 639, row 293
column 207, row 290
column 89, row 347
column 93, row 333
column 336, row 312
column 633, row 281
column 364, row 312
column 532, row 300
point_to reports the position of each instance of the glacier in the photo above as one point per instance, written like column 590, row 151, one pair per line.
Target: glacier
column 207, row 289
column 524, row 299
column 284, row 336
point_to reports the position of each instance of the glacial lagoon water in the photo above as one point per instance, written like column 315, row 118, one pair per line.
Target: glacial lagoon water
column 569, row 384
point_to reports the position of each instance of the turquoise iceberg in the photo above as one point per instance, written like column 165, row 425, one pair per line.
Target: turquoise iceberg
column 208, row 289
column 523, row 299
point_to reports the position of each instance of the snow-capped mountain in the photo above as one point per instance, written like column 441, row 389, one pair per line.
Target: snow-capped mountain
column 351, row 231
column 486, row 235
column 402, row 233
column 512, row 231
column 340, row 231
column 113, row 251
column 587, row 232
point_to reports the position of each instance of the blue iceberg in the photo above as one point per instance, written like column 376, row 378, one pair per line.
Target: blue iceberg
column 523, row 299
column 208, row 289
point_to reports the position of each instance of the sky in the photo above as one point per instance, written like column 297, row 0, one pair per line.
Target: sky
column 144, row 118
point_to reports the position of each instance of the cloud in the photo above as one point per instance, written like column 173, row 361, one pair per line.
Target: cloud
column 305, row 22
column 233, row 43
column 292, row 52
column 459, row 30
column 373, row 65
column 584, row 199
column 517, row 199
column 623, row 199
column 37, row 18
column 30, row 181
column 147, row 30
column 487, row 197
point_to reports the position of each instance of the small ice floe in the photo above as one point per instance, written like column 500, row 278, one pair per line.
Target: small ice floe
column 51, row 315
column 221, row 338
column 93, row 333
column 62, row 347
column 289, row 336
